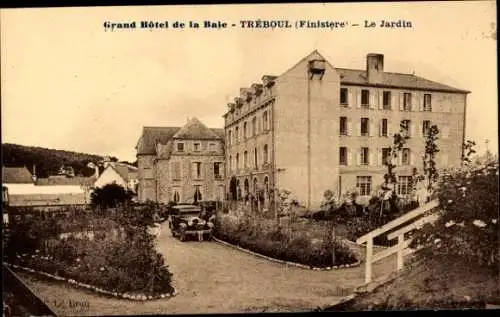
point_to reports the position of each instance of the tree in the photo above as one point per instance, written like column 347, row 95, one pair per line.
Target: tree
column 429, row 163
column 467, row 151
column 398, row 144
column 110, row 195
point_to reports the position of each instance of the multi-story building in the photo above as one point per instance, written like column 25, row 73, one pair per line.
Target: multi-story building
column 317, row 127
column 177, row 164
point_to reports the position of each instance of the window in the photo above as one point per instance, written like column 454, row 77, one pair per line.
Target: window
column 237, row 160
column 427, row 102
column 407, row 101
column 255, row 157
column 364, row 185
column 176, row 170
column 229, row 138
column 386, row 155
column 365, row 153
column 384, row 129
column 237, row 134
column 197, row 147
column 405, row 127
column 245, row 159
column 217, row 171
column 212, row 147
column 244, row 131
column 265, row 154
column 343, row 125
column 254, row 126
column 343, row 156
column 265, row 122
column 405, row 156
column 386, row 100
column 426, row 125
column 343, row 97
column 197, row 170
column 404, row 185
column 365, row 98
column 176, row 197
column 364, row 127
column 180, row 147
column 231, row 163
column 197, row 193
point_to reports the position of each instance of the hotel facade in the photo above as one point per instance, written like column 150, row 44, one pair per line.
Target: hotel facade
column 316, row 128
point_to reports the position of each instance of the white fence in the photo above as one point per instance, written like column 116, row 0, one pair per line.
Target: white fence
column 402, row 247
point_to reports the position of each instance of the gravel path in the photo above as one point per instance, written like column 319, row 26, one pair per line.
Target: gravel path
column 213, row 278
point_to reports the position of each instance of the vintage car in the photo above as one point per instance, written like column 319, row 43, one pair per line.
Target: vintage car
column 190, row 220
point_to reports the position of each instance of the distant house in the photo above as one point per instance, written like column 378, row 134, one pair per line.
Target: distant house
column 118, row 173
column 24, row 190
column 17, row 179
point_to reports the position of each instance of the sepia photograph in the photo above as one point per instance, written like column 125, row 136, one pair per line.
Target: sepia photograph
column 249, row 158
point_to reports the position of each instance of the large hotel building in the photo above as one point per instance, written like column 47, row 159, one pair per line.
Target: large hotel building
column 316, row 127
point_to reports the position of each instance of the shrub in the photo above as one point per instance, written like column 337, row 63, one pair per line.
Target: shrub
column 468, row 222
column 126, row 264
column 288, row 241
column 110, row 196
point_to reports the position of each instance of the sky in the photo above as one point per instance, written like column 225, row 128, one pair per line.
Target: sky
column 66, row 83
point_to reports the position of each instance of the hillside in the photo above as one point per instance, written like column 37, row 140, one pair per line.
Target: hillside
column 48, row 161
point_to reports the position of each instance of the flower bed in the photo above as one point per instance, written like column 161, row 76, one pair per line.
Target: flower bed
column 314, row 248
column 127, row 295
column 125, row 265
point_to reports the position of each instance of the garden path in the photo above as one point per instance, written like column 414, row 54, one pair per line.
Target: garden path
column 213, row 278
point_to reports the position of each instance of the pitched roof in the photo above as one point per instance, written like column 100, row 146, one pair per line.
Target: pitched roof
column 195, row 130
column 127, row 172
column 63, row 180
column 389, row 80
column 396, row 80
column 16, row 175
column 153, row 135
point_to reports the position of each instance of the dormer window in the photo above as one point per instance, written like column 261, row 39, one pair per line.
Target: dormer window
column 268, row 81
column 180, row 147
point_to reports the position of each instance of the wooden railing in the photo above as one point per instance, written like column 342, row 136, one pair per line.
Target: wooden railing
column 402, row 247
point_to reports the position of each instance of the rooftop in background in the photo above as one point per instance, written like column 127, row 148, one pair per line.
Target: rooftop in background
column 153, row 135
column 16, row 175
column 64, row 180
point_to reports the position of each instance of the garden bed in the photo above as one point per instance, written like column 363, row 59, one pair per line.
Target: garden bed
column 121, row 261
column 137, row 296
column 290, row 242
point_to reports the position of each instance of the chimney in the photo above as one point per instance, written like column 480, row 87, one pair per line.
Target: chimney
column 374, row 67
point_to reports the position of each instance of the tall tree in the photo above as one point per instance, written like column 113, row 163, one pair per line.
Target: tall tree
column 429, row 159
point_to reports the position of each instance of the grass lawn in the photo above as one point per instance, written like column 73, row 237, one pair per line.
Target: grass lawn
column 443, row 284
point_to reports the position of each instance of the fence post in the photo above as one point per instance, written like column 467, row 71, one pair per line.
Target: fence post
column 401, row 239
column 368, row 260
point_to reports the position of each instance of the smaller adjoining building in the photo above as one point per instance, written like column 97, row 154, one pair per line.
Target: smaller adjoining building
column 181, row 164
column 118, row 173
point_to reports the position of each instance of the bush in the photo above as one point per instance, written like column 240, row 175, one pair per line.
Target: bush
column 288, row 242
column 128, row 263
column 110, row 196
column 468, row 223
